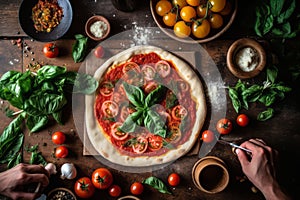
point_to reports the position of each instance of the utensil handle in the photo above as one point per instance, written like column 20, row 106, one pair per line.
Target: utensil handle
column 242, row 148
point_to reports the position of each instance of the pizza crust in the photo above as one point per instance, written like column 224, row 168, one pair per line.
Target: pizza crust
column 107, row 150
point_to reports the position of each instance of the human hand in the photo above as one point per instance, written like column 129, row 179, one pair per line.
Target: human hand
column 260, row 168
column 14, row 181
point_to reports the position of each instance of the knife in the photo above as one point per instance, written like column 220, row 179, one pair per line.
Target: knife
column 235, row 145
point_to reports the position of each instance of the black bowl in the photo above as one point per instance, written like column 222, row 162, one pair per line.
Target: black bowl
column 25, row 20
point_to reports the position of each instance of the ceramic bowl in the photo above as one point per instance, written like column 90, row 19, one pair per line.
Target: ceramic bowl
column 234, row 50
column 58, row 193
column 128, row 197
column 214, row 33
column 26, row 23
column 91, row 21
column 210, row 175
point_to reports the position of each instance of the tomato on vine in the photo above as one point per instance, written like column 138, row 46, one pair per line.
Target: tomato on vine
column 188, row 13
column 224, row 126
column 200, row 29
column 163, row 7
column 179, row 3
column 170, row 19
column 215, row 20
column 84, row 188
column 181, row 29
column 217, row 5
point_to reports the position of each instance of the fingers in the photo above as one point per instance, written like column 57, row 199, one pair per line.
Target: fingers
column 38, row 178
column 242, row 157
column 35, row 169
column 24, row 195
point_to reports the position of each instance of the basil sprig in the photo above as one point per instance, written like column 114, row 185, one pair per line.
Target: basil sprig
column 145, row 114
column 157, row 184
column 267, row 93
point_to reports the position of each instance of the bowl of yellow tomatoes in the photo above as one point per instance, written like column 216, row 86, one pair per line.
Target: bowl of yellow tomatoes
column 194, row 21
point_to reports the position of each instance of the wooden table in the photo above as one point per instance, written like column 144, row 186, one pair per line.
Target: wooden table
column 281, row 132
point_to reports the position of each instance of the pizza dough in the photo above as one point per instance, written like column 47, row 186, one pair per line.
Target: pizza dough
column 100, row 141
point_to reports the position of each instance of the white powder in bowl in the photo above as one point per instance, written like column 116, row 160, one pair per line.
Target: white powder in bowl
column 247, row 59
column 98, row 29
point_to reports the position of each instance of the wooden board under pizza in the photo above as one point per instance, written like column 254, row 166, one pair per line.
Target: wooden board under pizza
column 148, row 110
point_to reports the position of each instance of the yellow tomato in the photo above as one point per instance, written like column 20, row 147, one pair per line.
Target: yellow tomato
column 182, row 30
column 217, row 5
column 163, row 7
column 179, row 3
column 200, row 30
column 169, row 19
column 187, row 13
column 201, row 11
column 193, row 2
column 215, row 20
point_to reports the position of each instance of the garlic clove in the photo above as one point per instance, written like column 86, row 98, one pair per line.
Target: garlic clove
column 68, row 171
column 51, row 168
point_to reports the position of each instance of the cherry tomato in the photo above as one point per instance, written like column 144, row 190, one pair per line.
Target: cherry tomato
column 106, row 88
column 193, row 2
column 170, row 19
column 61, row 152
column 242, row 120
column 179, row 112
column 136, row 188
column 201, row 30
column 148, row 72
column 102, row 178
column 224, row 126
column 163, row 7
column 201, row 11
column 181, row 29
column 58, row 137
column 188, row 13
column 175, row 131
column 131, row 66
column 179, row 3
column 174, row 179
column 116, row 134
column 141, row 145
column 50, row 50
column 227, row 9
column 163, row 68
column 208, row 136
column 110, row 108
column 215, row 20
column 150, row 86
column 114, row 191
column 182, row 85
column 155, row 142
column 84, row 188
column 217, row 5
column 99, row 52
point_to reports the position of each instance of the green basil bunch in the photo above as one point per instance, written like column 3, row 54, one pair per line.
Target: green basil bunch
column 267, row 93
column 145, row 114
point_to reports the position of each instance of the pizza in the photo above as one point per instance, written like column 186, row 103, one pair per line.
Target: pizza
column 148, row 110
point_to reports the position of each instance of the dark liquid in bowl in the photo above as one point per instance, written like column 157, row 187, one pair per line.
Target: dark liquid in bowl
column 211, row 177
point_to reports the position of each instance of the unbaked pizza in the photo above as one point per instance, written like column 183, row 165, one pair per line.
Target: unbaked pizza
column 148, row 110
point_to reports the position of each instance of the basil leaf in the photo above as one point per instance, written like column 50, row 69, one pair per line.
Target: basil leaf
column 287, row 13
column 268, row 98
column 36, row 123
column 155, row 123
column 281, row 87
column 235, row 100
column 252, row 93
column 262, row 11
column 156, row 96
column 37, row 158
column 49, row 72
column 58, row 117
column 79, row 48
column 82, row 83
column 17, row 159
column 157, row 184
column 129, row 124
column 265, row 115
column 276, row 6
column 134, row 94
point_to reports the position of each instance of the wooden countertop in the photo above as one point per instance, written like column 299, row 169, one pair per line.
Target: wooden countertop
column 281, row 132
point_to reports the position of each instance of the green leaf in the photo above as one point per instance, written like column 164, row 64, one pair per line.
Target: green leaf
column 129, row 124
column 58, row 117
column 12, row 147
column 79, row 48
column 49, row 72
column 157, row 184
column 265, row 115
column 236, row 103
column 285, row 15
column 272, row 73
column 156, row 96
column 82, row 83
column 17, row 159
column 268, row 98
column 36, row 123
column 252, row 93
column 264, row 19
column 37, row 158
column 134, row 94
column 276, row 6
column 155, row 123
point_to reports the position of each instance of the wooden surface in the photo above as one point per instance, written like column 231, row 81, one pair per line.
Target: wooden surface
column 281, row 132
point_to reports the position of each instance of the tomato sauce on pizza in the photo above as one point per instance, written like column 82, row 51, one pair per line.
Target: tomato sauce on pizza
column 144, row 107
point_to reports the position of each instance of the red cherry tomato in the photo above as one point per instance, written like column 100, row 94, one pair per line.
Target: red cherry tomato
column 224, row 126
column 136, row 188
column 102, row 178
column 61, row 152
column 155, row 142
column 141, row 145
column 174, row 179
column 50, row 50
column 114, row 191
column 58, row 137
column 208, row 136
column 99, row 52
column 84, row 188
column 242, row 120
